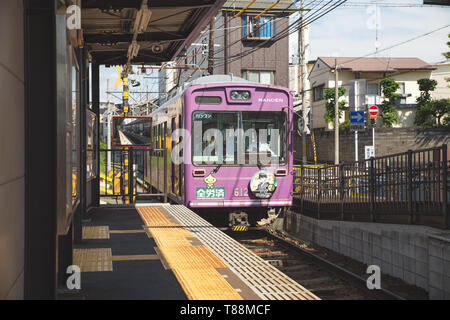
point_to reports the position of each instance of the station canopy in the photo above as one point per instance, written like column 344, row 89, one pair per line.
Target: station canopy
column 174, row 24
column 258, row 6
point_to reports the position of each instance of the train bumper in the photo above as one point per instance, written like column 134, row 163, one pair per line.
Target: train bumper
column 236, row 203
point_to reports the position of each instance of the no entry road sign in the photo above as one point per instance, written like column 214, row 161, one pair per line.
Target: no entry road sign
column 373, row 111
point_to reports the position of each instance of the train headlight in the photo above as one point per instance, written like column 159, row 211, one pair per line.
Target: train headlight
column 240, row 95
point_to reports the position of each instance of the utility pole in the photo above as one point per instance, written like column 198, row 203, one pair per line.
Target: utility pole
column 108, row 129
column 303, row 53
column 211, row 46
column 336, row 113
column 148, row 110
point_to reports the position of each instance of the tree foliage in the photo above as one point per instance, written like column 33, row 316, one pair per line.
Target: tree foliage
column 388, row 111
column 424, row 107
column 440, row 108
column 447, row 54
column 433, row 112
column 329, row 107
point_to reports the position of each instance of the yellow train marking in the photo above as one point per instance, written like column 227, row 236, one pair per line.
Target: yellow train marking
column 240, row 228
column 194, row 266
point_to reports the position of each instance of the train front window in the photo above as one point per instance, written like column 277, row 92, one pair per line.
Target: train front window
column 211, row 129
column 239, row 138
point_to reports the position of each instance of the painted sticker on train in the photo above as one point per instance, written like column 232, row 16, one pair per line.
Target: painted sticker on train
column 210, row 193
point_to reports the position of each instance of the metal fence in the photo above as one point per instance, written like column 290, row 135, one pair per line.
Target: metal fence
column 123, row 173
column 410, row 187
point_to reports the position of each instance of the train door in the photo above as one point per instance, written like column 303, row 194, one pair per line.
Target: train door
column 172, row 168
column 180, row 166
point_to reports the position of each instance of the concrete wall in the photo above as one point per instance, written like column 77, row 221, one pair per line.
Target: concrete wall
column 416, row 254
column 12, row 140
column 387, row 141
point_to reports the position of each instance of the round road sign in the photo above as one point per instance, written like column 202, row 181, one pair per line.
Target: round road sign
column 373, row 110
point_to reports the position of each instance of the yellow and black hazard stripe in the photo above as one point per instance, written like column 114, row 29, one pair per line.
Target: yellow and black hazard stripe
column 240, row 228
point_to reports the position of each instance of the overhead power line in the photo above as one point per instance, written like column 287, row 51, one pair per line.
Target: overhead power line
column 293, row 27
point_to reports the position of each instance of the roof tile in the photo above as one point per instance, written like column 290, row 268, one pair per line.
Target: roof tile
column 376, row 64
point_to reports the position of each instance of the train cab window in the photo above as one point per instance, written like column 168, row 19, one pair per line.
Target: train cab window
column 237, row 138
column 265, row 133
column 210, row 150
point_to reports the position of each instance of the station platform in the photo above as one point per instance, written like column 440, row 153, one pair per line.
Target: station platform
column 163, row 251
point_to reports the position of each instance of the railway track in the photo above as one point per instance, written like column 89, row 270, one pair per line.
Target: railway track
column 328, row 280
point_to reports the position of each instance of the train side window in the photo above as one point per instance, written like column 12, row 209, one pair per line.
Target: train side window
column 160, row 135
column 164, row 134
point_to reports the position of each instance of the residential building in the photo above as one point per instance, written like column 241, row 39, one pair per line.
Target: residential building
column 295, row 83
column 168, row 80
column 368, row 72
column 442, row 76
column 244, row 46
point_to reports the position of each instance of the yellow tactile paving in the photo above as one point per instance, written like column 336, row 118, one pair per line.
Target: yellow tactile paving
column 126, row 231
column 91, row 260
column 96, row 232
column 135, row 257
column 194, row 266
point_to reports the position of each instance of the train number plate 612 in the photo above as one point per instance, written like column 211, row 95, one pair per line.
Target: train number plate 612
column 240, row 192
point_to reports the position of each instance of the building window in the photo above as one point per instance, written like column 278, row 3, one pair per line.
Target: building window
column 194, row 56
column 261, row 28
column 372, row 89
column 401, row 88
column 263, row 77
column 318, row 92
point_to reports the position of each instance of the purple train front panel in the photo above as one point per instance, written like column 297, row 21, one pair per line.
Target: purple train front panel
column 241, row 150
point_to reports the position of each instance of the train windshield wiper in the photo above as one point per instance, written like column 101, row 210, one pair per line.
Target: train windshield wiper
column 258, row 163
column 217, row 168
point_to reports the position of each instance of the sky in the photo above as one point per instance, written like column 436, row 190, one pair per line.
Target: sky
column 116, row 93
column 350, row 31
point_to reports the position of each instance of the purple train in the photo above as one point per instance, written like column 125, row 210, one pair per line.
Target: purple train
column 231, row 146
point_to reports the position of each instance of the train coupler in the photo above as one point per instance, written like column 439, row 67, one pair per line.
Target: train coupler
column 238, row 221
